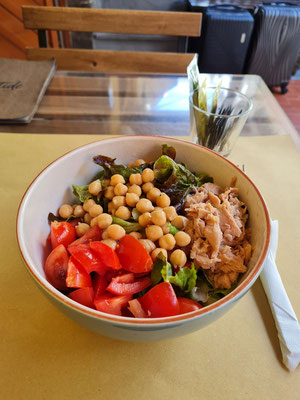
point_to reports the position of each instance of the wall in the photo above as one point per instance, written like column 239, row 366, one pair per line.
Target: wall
column 13, row 37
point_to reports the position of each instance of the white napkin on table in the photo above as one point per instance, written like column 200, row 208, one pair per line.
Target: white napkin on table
column 285, row 318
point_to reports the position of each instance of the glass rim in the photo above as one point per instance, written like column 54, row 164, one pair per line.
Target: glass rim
column 249, row 101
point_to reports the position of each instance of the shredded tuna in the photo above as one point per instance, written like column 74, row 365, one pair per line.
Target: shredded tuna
column 216, row 224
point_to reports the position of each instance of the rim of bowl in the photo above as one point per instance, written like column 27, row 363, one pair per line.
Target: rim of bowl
column 130, row 321
column 246, row 112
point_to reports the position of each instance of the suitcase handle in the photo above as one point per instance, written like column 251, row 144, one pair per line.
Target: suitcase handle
column 280, row 4
column 226, row 7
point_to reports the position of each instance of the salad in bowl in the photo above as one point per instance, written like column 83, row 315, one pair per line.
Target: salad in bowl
column 148, row 239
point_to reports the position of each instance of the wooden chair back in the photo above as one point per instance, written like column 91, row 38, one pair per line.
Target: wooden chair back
column 111, row 21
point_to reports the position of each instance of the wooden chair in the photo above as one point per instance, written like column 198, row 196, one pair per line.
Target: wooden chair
column 111, row 21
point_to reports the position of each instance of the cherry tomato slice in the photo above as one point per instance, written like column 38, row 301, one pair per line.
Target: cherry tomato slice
column 84, row 296
column 62, row 233
column 106, row 254
column 56, row 267
column 93, row 233
column 118, row 287
column 160, row 301
column 87, row 258
column 77, row 277
column 187, row 305
column 133, row 256
column 111, row 304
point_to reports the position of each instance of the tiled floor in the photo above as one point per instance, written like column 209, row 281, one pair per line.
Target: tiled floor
column 290, row 102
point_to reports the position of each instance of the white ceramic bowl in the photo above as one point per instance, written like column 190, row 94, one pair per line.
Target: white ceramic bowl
column 77, row 167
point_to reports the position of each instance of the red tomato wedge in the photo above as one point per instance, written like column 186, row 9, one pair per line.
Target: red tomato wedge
column 62, row 233
column 118, row 286
column 100, row 283
column 77, row 277
column 106, row 254
column 56, row 267
column 187, row 305
column 94, row 233
column 111, row 304
column 133, row 256
column 84, row 296
column 136, row 309
column 87, row 258
column 160, row 301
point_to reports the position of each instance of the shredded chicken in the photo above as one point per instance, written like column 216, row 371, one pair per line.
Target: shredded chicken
column 216, row 224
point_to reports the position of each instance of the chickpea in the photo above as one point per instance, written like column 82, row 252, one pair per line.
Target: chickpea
column 65, row 211
column 179, row 222
column 115, row 232
column 94, row 221
column 95, row 210
column 104, row 220
column 81, row 229
column 78, row 211
column 87, row 218
column 120, row 189
column 88, row 204
column 137, row 163
column 123, row 213
column 170, row 213
column 165, row 228
column 147, row 186
column 157, row 209
column 167, row 242
column 135, row 179
column 156, row 252
column 109, row 192
column 154, row 232
column 115, row 179
column 144, row 205
column 105, row 234
column 163, row 200
column 153, row 194
column 118, row 201
column 147, row 175
column 131, row 199
column 135, row 189
column 148, row 244
column 158, row 218
column 111, row 243
column 137, row 235
column 145, row 219
column 182, row 239
column 178, row 258
column 95, row 187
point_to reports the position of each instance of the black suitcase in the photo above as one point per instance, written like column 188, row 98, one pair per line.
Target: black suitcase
column 225, row 40
column 276, row 43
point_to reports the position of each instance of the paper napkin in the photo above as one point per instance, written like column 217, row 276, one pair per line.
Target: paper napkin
column 285, row 318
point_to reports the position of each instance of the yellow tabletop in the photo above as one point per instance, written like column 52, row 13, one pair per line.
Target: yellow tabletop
column 45, row 355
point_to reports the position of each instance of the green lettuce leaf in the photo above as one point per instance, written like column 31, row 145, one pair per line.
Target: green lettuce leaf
column 127, row 225
column 173, row 230
column 169, row 151
column 82, row 192
column 176, row 180
column 185, row 279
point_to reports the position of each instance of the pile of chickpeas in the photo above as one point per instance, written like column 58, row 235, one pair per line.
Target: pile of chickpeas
column 154, row 208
